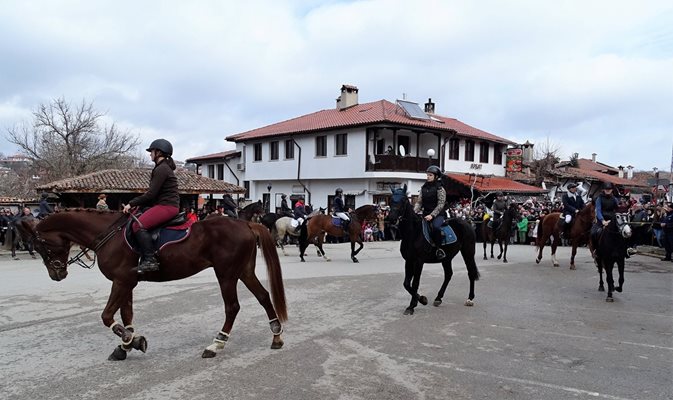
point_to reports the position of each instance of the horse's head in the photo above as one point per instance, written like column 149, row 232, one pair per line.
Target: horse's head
column 53, row 248
column 513, row 212
column 622, row 223
column 397, row 201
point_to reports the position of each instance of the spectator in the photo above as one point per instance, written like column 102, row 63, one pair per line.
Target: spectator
column 522, row 227
column 45, row 208
column 102, row 204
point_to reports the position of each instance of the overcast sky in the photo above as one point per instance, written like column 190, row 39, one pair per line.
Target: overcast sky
column 587, row 76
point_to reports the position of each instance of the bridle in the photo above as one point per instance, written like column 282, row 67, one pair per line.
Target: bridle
column 98, row 242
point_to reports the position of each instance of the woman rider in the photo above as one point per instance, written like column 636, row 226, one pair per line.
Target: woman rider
column 162, row 198
column 431, row 203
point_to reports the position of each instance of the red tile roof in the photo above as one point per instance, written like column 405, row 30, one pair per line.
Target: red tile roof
column 136, row 181
column 585, row 163
column 214, row 156
column 599, row 176
column 494, row 184
column 377, row 112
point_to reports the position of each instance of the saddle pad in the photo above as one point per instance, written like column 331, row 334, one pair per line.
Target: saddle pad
column 448, row 235
column 161, row 239
column 336, row 221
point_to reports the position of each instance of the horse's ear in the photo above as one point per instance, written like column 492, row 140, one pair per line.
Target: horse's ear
column 405, row 188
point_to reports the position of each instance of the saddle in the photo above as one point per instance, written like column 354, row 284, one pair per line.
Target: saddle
column 174, row 231
column 448, row 235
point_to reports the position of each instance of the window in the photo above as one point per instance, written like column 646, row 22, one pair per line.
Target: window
column 273, row 150
column 380, row 146
column 258, row 152
column 289, row 149
column 341, row 144
column 211, row 171
column 454, row 146
column 483, row 152
column 469, row 150
column 220, row 172
column 321, row 146
column 497, row 154
column 246, row 185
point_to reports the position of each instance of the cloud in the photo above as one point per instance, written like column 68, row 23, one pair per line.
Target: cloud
column 594, row 77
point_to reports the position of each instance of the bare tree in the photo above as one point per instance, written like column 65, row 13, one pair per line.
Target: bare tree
column 545, row 158
column 65, row 141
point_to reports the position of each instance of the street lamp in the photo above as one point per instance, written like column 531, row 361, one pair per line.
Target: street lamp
column 268, row 187
column 268, row 197
column 431, row 153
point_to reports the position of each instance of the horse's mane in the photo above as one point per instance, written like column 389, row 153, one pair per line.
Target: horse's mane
column 82, row 210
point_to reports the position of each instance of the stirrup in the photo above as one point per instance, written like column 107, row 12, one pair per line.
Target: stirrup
column 148, row 265
column 440, row 254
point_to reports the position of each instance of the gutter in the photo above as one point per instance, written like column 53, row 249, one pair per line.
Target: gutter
column 308, row 200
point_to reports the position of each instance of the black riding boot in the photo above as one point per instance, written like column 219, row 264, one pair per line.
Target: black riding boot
column 437, row 238
column 148, row 261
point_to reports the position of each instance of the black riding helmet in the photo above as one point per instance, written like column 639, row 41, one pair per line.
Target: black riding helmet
column 338, row 191
column 433, row 169
column 162, row 145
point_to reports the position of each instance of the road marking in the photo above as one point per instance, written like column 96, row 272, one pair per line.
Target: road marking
column 546, row 385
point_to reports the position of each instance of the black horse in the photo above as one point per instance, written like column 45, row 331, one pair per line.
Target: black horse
column 416, row 250
column 502, row 232
column 16, row 236
column 610, row 247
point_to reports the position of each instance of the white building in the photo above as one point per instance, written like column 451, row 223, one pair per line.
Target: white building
column 365, row 149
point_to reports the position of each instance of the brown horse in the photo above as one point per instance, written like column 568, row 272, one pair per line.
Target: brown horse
column 226, row 244
column 314, row 229
column 579, row 233
column 502, row 233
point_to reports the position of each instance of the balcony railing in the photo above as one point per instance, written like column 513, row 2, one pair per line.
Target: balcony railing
column 384, row 162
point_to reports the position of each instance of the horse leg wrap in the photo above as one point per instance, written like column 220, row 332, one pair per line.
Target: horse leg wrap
column 125, row 334
column 219, row 342
column 276, row 327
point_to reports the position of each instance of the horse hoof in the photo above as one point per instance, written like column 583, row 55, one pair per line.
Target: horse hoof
column 537, row 261
column 601, row 289
column 436, row 303
column 485, row 258
column 423, row 300
column 409, row 311
column 492, row 256
column 469, row 303
column 610, row 300
column 139, row 343
column 355, row 260
column 208, row 354
column 302, row 260
column 328, row 259
column 556, row 265
column 499, row 257
column 618, row 289
column 277, row 345
column 572, row 266
column 118, row 354
column 505, row 260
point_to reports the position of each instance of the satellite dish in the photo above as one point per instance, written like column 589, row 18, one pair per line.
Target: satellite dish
column 403, row 151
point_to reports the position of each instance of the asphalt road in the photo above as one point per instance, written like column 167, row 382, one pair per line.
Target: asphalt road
column 535, row 332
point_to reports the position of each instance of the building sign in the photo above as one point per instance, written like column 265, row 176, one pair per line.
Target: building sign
column 475, row 166
column 514, row 159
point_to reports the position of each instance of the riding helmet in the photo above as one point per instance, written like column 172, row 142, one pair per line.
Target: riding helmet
column 338, row 191
column 162, row 145
column 499, row 194
column 607, row 185
column 572, row 185
column 433, row 169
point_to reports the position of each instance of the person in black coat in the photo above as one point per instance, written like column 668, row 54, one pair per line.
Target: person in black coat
column 572, row 204
column 45, row 208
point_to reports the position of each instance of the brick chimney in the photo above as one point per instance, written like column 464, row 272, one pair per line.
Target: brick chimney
column 430, row 106
column 348, row 98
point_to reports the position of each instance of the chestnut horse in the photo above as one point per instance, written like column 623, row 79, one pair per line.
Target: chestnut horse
column 314, row 229
column 579, row 233
column 416, row 250
column 228, row 245
column 502, row 233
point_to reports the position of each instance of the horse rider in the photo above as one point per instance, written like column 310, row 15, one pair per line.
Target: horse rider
column 431, row 203
column 667, row 227
column 339, row 209
column 284, row 208
column 606, row 206
column 499, row 208
column 572, row 204
column 229, row 206
column 299, row 213
column 162, row 198
column 45, row 208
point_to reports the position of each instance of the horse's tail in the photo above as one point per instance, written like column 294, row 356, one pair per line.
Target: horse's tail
column 468, row 249
column 272, row 268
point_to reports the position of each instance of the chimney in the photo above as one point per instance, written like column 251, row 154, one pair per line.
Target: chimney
column 348, row 98
column 621, row 171
column 527, row 151
column 629, row 173
column 593, row 157
column 430, row 106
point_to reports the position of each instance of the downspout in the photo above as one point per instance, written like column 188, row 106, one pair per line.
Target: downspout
column 308, row 200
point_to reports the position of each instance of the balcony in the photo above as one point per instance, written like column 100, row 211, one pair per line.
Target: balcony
column 385, row 162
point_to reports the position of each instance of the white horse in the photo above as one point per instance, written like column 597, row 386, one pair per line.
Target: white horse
column 284, row 227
